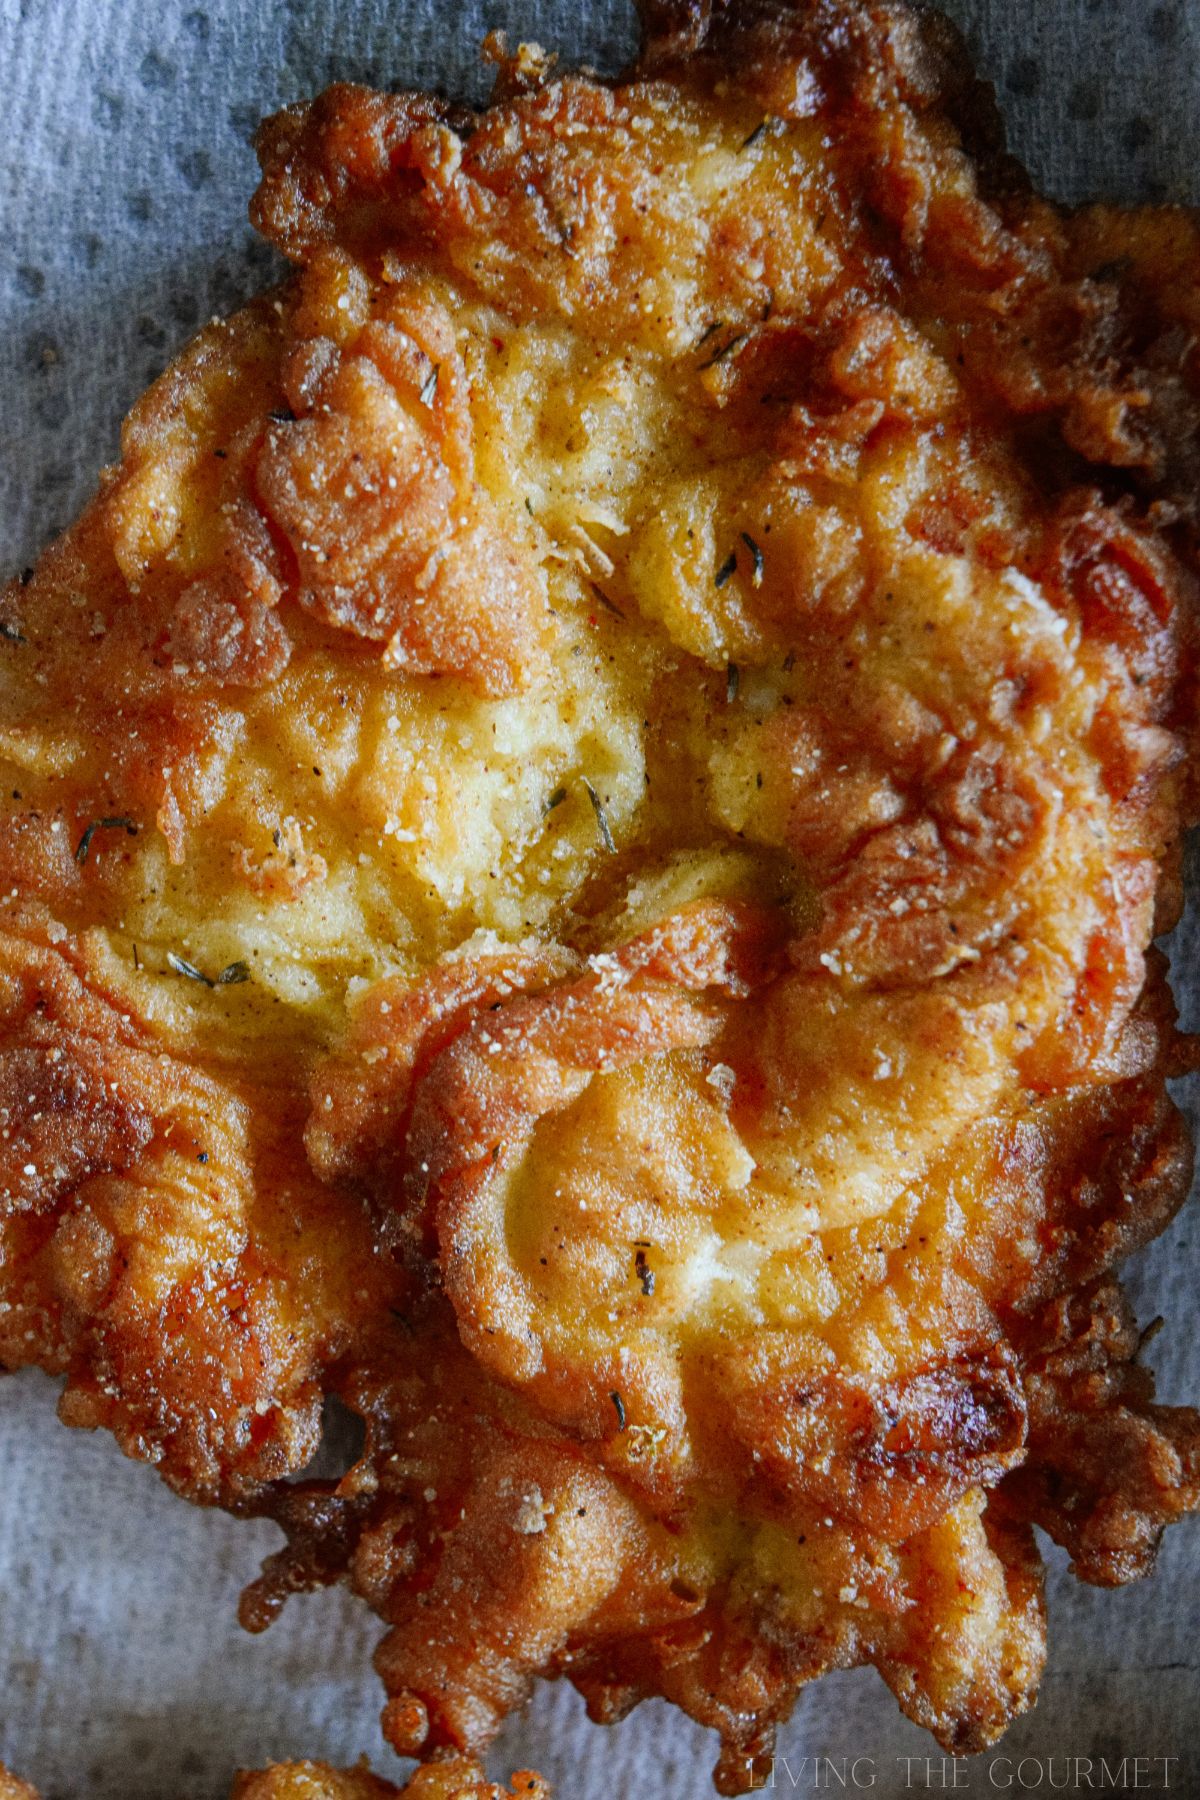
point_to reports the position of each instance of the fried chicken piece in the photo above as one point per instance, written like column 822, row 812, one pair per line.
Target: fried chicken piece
column 12, row 1789
column 588, row 807
column 457, row 1778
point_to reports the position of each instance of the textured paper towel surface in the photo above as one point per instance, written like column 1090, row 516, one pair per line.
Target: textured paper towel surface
column 124, row 175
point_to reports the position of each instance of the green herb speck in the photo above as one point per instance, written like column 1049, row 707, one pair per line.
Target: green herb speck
column 601, row 816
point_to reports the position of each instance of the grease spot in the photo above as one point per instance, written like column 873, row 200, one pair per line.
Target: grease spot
column 1163, row 24
column 245, row 118
column 1024, row 76
column 196, row 168
column 108, row 110
column 1084, row 101
column 156, row 73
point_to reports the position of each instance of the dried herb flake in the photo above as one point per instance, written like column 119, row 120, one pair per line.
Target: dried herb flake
column 726, row 349
column 13, row 633
column 759, row 559
column 601, row 817
column 619, row 1406
column 727, row 568
column 282, row 415
column 231, row 975
column 733, row 680
column 429, row 390
column 759, row 131
column 116, row 824
column 556, row 799
column 182, row 967
column 604, row 600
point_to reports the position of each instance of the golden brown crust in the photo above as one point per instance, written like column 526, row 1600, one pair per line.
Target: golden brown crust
column 12, row 1789
column 590, row 804
column 455, row 1779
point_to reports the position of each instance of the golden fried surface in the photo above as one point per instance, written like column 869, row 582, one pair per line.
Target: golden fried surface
column 584, row 816
column 12, row 1789
column 457, row 1778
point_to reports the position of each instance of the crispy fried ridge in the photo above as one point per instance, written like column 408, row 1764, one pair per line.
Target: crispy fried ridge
column 644, row 704
column 453, row 1779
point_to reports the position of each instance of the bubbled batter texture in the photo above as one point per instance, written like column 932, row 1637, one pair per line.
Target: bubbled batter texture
column 648, row 692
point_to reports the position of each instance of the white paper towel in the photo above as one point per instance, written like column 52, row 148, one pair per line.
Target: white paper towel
column 124, row 175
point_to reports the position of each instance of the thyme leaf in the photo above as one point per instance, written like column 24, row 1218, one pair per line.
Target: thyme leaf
column 619, row 1406
column 727, row 568
column 430, row 387
column 233, row 973
column 12, row 633
column 733, row 680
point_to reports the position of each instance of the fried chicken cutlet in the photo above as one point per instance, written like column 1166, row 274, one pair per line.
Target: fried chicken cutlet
column 584, row 818
column 453, row 1779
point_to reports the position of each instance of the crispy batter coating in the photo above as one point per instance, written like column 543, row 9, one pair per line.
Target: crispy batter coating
column 584, row 818
column 456, row 1778
column 12, row 1789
